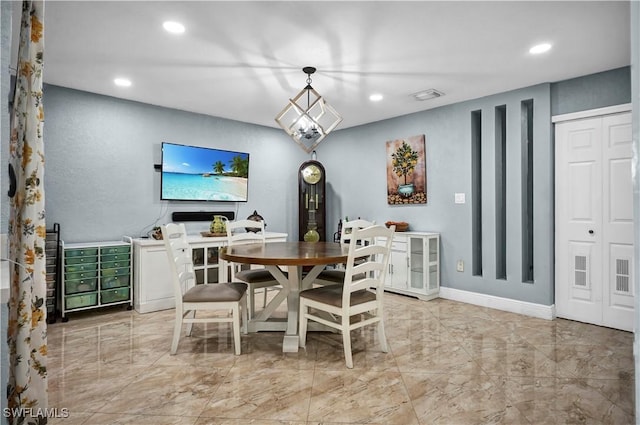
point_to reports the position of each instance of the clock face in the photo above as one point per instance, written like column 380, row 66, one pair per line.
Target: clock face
column 311, row 174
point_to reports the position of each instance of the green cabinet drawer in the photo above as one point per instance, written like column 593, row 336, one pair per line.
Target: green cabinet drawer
column 78, row 301
column 80, row 274
column 115, row 264
column 124, row 249
column 82, row 267
column 114, row 295
column 80, row 285
column 81, row 252
column 114, row 281
column 115, row 272
column 105, row 258
column 80, row 260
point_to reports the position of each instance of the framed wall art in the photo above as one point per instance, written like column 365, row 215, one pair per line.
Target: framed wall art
column 406, row 171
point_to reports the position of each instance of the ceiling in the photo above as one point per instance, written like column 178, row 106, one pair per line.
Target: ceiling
column 243, row 60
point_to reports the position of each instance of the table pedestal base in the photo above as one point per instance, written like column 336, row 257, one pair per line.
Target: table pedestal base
column 292, row 256
column 290, row 344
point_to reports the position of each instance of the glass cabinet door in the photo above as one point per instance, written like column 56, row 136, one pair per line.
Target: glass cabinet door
column 416, row 263
column 434, row 264
column 212, row 265
column 205, row 264
column 197, row 254
column 198, row 257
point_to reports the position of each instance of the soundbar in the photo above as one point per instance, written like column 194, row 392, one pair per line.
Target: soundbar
column 180, row 216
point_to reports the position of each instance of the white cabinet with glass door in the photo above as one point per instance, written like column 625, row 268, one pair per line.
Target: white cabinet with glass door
column 205, row 263
column 414, row 267
column 152, row 284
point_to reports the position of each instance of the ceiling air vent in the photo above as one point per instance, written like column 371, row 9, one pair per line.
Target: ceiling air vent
column 427, row 94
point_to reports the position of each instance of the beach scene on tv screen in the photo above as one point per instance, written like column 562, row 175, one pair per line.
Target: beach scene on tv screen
column 204, row 174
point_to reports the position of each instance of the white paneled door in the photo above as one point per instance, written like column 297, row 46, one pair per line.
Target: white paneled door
column 594, row 221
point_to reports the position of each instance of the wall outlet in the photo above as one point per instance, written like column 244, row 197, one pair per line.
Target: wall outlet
column 460, row 266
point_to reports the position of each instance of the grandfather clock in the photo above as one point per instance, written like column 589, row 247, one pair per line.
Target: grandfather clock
column 312, row 210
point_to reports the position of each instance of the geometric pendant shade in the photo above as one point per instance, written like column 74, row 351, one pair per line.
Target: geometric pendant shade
column 308, row 124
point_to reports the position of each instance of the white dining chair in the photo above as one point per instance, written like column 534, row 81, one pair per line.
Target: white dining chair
column 335, row 275
column 358, row 302
column 255, row 278
column 191, row 297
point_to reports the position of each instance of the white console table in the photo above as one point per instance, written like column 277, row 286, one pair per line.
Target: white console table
column 152, row 285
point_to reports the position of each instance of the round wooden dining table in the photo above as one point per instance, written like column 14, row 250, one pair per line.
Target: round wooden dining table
column 292, row 256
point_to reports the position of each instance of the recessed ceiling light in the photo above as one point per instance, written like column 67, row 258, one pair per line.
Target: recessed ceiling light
column 173, row 27
column 540, row 48
column 122, row 82
column 376, row 97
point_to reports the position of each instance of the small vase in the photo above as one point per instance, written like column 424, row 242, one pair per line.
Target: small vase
column 217, row 225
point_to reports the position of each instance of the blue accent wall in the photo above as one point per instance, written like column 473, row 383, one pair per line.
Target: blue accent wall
column 591, row 91
column 100, row 154
column 360, row 189
column 101, row 184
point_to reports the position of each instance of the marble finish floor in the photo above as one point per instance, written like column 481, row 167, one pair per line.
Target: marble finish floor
column 449, row 363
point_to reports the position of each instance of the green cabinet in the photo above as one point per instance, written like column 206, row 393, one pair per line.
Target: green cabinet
column 95, row 275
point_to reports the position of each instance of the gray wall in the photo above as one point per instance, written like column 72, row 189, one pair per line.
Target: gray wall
column 591, row 91
column 361, row 191
column 100, row 154
column 100, row 182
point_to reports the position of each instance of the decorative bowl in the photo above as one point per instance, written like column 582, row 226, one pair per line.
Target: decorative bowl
column 401, row 226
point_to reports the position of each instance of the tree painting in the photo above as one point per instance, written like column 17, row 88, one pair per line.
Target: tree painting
column 404, row 160
column 406, row 171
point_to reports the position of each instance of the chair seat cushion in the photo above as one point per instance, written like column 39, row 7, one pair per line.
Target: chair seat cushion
column 332, row 295
column 331, row 276
column 215, row 292
column 336, row 276
column 256, row 276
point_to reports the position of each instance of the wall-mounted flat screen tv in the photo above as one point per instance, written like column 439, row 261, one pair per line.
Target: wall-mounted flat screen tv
column 193, row 173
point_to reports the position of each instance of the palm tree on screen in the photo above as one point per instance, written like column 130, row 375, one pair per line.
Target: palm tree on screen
column 218, row 167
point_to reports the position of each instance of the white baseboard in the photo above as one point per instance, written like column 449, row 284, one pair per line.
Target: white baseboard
column 540, row 311
column 155, row 305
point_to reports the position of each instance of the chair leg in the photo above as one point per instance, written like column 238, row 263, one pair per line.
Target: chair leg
column 236, row 328
column 304, row 309
column 264, row 300
column 192, row 315
column 346, row 341
column 245, row 315
column 382, row 337
column 177, row 327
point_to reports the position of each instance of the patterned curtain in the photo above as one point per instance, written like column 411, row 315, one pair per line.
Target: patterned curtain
column 27, row 327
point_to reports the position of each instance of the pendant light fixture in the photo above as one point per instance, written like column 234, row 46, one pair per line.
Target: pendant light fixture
column 308, row 125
